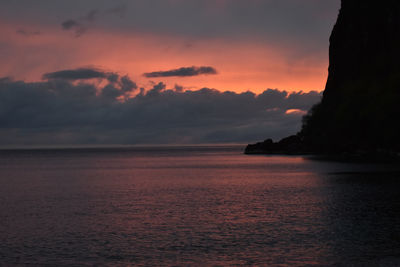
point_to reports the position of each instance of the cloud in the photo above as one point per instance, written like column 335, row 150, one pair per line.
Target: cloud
column 27, row 33
column 76, row 74
column 124, row 82
column 117, row 87
column 296, row 111
column 77, row 27
column 81, row 74
column 5, row 79
column 61, row 112
column 182, row 72
column 91, row 16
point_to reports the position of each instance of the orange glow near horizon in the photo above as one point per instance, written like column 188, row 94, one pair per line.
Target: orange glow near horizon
column 244, row 65
column 296, row 112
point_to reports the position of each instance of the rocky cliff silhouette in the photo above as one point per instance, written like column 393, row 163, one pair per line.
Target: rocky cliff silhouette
column 360, row 108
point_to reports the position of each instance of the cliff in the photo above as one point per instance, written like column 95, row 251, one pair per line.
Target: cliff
column 360, row 109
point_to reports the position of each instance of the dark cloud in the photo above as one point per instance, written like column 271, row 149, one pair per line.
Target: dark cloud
column 27, row 33
column 178, row 88
column 79, row 74
column 57, row 111
column 69, row 24
column 124, row 82
column 92, row 15
column 118, row 86
column 182, row 72
column 5, row 79
column 77, row 27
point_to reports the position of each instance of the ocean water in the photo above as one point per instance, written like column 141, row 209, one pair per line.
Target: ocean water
column 194, row 206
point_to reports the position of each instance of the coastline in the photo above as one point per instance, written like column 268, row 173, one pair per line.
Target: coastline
column 294, row 146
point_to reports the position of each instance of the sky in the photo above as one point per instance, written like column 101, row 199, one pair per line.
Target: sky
column 124, row 63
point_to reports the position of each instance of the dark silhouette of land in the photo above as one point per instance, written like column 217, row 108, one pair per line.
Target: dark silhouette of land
column 359, row 112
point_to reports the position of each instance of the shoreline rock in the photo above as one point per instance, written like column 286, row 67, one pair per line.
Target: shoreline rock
column 293, row 145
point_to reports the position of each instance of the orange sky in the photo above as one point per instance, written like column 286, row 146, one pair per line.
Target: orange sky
column 242, row 65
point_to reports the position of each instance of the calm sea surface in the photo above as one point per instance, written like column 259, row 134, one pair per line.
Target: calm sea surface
column 194, row 206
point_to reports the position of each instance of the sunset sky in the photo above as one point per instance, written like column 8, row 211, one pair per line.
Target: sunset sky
column 186, row 45
column 253, row 44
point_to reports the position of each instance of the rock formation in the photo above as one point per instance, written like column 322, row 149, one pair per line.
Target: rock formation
column 360, row 108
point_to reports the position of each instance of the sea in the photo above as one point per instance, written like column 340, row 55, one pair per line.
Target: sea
column 194, row 206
